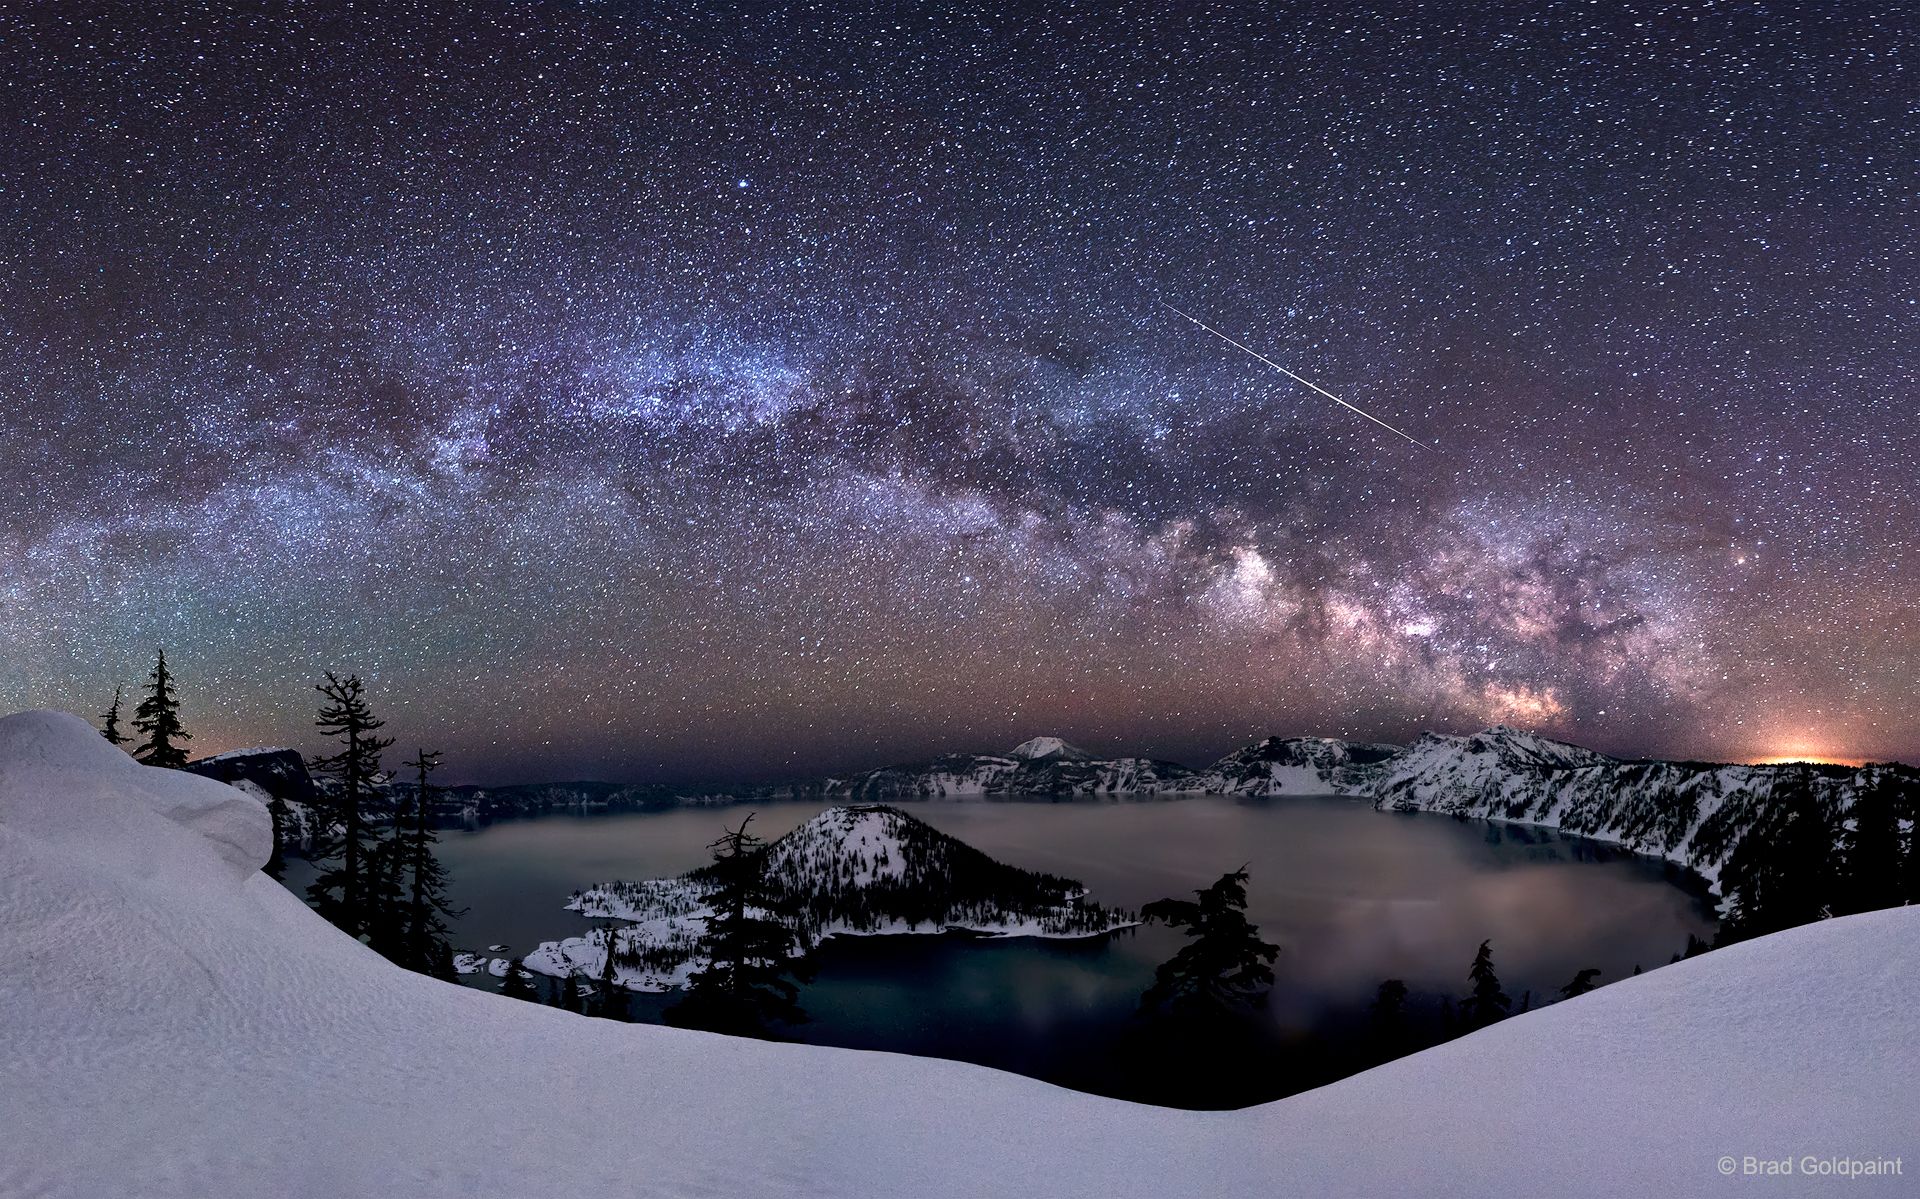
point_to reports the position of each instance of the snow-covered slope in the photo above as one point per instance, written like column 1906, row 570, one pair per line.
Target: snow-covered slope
column 1292, row 766
column 860, row 870
column 1041, row 766
column 1038, row 748
column 177, row 1024
column 1692, row 813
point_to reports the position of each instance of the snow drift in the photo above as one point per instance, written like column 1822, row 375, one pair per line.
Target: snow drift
column 173, row 1023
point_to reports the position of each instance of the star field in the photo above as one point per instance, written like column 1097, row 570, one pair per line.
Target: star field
column 697, row 390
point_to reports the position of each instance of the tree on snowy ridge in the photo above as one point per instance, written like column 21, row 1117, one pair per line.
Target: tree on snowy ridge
column 419, row 927
column 344, row 843
column 158, row 719
column 110, row 720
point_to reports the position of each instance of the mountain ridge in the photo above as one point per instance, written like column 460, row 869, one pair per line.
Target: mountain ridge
column 1689, row 813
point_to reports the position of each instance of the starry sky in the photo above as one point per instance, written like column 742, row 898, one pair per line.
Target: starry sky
column 672, row 391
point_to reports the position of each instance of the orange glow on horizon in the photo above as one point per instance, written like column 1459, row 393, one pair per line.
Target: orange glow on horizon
column 1802, row 752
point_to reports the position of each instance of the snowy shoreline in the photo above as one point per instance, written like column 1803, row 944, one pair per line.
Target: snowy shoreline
column 880, row 871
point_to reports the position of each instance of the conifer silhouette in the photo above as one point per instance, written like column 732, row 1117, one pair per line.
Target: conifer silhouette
column 1581, row 984
column 1870, row 851
column 1486, row 1003
column 748, row 986
column 158, row 719
column 518, row 983
column 354, row 879
column 422, row 910
column 110, row 720
column 1224, row 963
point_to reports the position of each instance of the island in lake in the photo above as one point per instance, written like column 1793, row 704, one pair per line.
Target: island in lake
column 857, row 870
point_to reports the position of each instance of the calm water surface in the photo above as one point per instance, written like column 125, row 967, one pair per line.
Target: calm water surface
column 1351, row 895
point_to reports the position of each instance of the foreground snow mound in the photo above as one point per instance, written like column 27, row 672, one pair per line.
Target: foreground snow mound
column 61, row 770
column 175, row 1025
column 859, row 870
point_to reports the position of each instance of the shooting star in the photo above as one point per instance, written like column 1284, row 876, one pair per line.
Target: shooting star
column 1296, row 378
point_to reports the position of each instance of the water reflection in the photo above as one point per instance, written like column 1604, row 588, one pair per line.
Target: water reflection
column 1352, row 896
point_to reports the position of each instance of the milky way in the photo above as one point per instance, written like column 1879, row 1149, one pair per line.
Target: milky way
column 672, row 391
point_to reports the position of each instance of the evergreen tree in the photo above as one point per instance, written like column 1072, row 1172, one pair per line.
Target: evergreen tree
column 383, row 893
column 1581, row 984
column 110, row 720
column 570, row 997
column 1870, row 851
column 518, row 983
column 1387, row 1021
column 420, row 930
column 282, row 816
column 612, row 997
column 1785, row 873
column 748, row 984
column 158, row 719
column 345, row 890
column 1486, row 1003
column 1224, row 964
column 1910, row 864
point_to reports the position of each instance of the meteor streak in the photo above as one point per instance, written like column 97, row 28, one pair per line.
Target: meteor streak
column 1296, row 378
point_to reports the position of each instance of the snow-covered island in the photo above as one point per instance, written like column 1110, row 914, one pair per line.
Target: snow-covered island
column 177, row 1025
column 859, row 870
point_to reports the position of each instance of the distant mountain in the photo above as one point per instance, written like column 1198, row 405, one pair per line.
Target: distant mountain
column 1691, row 813
column 1291, row 765
column 854, row 870
column 1041, row 748
column 276, row 771
column 1041, row 766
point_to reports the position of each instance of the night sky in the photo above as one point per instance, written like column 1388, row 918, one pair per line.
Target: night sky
column 674, row 391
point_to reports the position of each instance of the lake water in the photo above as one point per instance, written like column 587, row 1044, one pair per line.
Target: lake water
column 1351, row 895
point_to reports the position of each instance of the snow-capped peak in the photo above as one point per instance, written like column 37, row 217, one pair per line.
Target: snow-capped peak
column 1040, row 748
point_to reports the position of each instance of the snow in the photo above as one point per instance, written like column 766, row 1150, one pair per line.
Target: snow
column 177, row 1024
column 1049, row 747
column 842, row 848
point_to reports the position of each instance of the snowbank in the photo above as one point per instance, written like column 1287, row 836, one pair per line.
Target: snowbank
column 173, row 1023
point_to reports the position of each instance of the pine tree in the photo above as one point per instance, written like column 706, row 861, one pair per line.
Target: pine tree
column 1581, row 984
column 518, row 983
column 282, row 817
column 110, row 720
column 1910, row 864
column 1387, row 1021
column 383, row 895
column 1784, row 873
column 748, row 984
column 419, row 930
column 570, row 997
column 1870, row 853
column 345, row 890
column 1487, row 1003
column 611, row 997
column 1224, row 964
column 158, row 719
